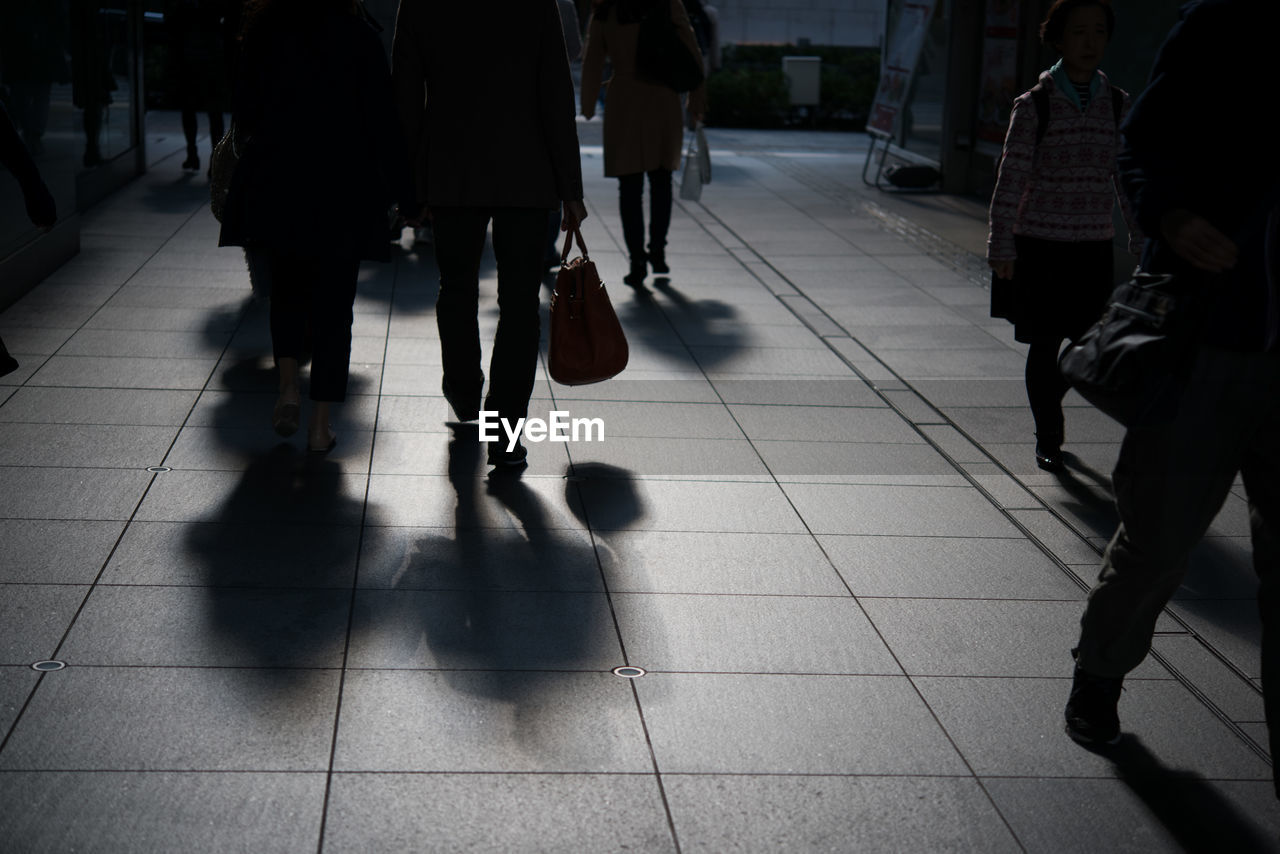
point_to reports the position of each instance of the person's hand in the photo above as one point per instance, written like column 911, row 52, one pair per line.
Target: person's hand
column 574, row 213
column 1003, row 269
column 1196, row 240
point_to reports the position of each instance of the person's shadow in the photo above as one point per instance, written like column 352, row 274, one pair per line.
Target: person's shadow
column 277, row 558
column 1195, row 813
column 512, row 596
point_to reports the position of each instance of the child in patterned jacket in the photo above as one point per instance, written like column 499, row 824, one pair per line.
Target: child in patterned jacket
column 1050, row 244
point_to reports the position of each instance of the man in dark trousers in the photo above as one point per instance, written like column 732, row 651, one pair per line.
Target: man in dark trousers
column 487, row 105
column 1218, row 223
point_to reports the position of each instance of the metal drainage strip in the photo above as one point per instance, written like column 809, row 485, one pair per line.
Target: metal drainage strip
column 48, row 666
column 629, row 672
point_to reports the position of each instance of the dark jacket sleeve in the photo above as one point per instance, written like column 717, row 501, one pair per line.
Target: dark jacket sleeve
column 558, row 109
column 384, row 122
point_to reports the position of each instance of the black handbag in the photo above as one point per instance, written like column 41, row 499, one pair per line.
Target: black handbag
column 662, row 56
column 1133, row 362
column 222, row 166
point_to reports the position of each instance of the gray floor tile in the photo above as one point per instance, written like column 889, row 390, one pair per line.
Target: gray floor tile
column 47, row 405
column 43, row 552
column 1220, row 568
column 898, row 510
column 1064, row 543
column 504, row 501
column 836, row 462
column 412, row 414
column 683, row 389
column 99, row 446
column 955, row 364
column 1157, row 811
column 483, row 630
column 176, row 719
column 947, row 567
column 122, row 372
column 1027, row 739
column 499, row 721
column 704, row 723
column 825, row 424
column 27, row 368
column 1238, row 698
column 715, row 459
column 16, row 684
column 726, row 362
column 974, row 637
column 139, row 626
column 1229, row 626
column 710, row 562
column 402, row 558
column 620, row 503
column 6, row 392
column 64, row 493
column 280, row 488
column 769, row 814
column 235, row 449
column 456, row 812
column 951, row 393
column 35, row 617
column 165, row 319
column 750, row 634
column 32, row 340
column 152, row 345
column 243, row 555
column 252, row 411
column 157, row 812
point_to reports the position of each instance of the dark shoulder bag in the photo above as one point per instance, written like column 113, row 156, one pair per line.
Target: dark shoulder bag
column 662, row 56
column 1133, row 363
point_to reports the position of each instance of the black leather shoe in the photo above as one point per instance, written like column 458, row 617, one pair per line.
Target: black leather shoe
column 658, row 262
column 639, row 269
column 1091, row 716
column 465, row 408
column 500, row 457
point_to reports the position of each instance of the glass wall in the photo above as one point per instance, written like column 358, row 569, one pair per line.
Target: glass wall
column 67, row 79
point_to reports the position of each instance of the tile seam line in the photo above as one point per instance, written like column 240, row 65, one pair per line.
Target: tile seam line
column 354, row 588
column 17, row 720
column 1009, row 517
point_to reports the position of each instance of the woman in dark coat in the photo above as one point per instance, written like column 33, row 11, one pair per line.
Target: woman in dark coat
column 322, row 160
column 643, row 123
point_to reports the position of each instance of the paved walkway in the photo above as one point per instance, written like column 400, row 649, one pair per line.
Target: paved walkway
column 814, row 521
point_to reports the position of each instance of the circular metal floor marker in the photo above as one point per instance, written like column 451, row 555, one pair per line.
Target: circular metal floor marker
column 48, row 666
column 158, row 469
column 629, row 672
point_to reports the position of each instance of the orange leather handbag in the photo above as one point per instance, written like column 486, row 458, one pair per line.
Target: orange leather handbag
column 587, row 341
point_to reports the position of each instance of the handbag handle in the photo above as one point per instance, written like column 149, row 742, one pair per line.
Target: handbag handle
column 568, row 244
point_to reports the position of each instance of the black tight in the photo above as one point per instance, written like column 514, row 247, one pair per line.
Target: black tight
column 1046, row 387
column 630, row 205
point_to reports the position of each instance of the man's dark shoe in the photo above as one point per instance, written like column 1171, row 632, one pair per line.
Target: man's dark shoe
column 502, row 458
column 658, row 261
column 1091, row 709
column 465, row 408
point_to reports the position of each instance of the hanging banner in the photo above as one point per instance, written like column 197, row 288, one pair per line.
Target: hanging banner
column 908, row 28
column 999, row 73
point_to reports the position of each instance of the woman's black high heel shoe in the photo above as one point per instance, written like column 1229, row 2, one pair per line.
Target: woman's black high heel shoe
column 1049, row 452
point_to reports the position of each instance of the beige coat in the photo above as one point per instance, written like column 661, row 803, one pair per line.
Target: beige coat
column 643, row 122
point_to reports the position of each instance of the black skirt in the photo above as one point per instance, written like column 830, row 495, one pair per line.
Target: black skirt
column 1059, row 288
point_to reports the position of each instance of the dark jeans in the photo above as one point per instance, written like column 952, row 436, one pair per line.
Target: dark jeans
column 311, row 301
column 1046, row 387
column 519, row 246
column 1170, row 482
column 630, row 206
